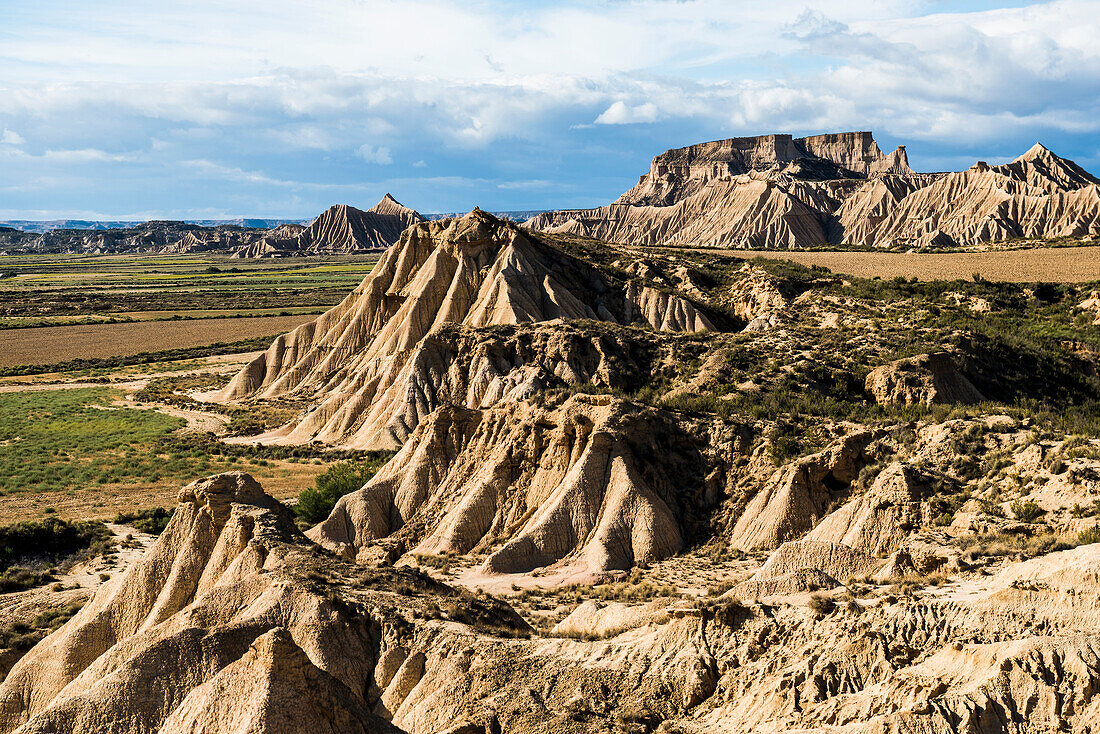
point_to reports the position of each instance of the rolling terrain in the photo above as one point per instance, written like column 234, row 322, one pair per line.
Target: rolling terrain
column 596, row 486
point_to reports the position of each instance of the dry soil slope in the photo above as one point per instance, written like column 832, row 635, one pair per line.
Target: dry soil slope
column 376, row 364
column 339, row 230
column 594, row 485
column 233, row 622
column 772, row 191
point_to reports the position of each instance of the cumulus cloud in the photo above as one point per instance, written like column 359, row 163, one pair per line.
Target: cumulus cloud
column 620, row 113
column 371, row 154
column 492, row 97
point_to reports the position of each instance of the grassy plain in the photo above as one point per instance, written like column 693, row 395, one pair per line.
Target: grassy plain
column 73, row 441
column 83, row 453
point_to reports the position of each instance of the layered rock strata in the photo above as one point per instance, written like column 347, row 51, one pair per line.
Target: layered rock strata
column 376, row 364
column 777, row 192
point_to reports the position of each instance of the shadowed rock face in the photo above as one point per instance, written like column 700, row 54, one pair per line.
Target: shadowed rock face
column 379, row 362
column 339, row 230
column 233, row 622
column 224, row 626
column 774, row 191
column 578, row 489
column 927, row 379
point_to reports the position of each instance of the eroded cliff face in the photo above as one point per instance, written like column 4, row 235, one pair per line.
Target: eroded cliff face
column 594, row 485
column 774, row 191
column 389, row 354
column 234, row 622
column 340, row 229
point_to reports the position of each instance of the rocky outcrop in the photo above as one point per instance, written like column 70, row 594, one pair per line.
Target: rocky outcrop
column 376, row 364
column 798, row 494
column 576, row 489
column 759, row 299
column 222, row 627
column 926, row 379
column 807, row 565
column 342, row 229
column 774, row 191
column 878, row 521
column 339, row 230
column 234, row 622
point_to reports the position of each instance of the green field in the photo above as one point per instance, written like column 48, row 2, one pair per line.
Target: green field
column 37, row 290
column 56, row 309
column 78, row 454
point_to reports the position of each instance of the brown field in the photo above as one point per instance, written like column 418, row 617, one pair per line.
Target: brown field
column 1049, row 264
column 51, row 344
column 281, row 479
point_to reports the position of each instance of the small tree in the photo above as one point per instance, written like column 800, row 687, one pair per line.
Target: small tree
column 315, row 503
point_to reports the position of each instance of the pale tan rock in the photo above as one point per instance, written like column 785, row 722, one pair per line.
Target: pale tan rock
column 801, row 563
column 533, row 487
column 878, row 521
column 927, row 379
column 773, row 191
column 376, row 364
column 597, row 620
column 340, row 229
column 798, row 494
column 273, row 687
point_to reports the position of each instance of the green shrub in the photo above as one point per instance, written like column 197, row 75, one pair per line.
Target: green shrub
column 315, row 503
column 1025, row 511
column 152, row 521
column 821, row 605
column 1088, row 536
column 49, row 541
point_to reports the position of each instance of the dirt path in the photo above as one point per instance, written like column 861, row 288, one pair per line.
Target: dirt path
column 74, row 587
column 126, row 378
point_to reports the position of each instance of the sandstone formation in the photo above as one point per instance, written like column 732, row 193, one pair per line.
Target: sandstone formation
column 799, row 493
column 577, row 489
column 234, row 622
column 220, row 628
column 341, row 229
column 379, row 362
column 880, row 520
column 927, row 379
column 807, row 565
column 774, row 191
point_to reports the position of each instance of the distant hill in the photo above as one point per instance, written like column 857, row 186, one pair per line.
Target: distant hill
column 519, row 215
column 779, row 192
column 341, row 229
column 43, row 226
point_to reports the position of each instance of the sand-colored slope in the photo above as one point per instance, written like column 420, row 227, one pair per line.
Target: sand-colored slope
column 375, row 364
column 774, row 192
column 578, row 488
column 340, row 229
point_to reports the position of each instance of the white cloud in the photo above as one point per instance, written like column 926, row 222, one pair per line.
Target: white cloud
column 620, row 113
column 380, row 155
column 276, row 111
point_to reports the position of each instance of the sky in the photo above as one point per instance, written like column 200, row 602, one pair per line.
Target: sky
column 209, row 109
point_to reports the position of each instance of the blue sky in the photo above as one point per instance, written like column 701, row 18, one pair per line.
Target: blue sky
column 208, row 109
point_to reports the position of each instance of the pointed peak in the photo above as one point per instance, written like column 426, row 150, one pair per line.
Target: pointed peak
column 1036, row 152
